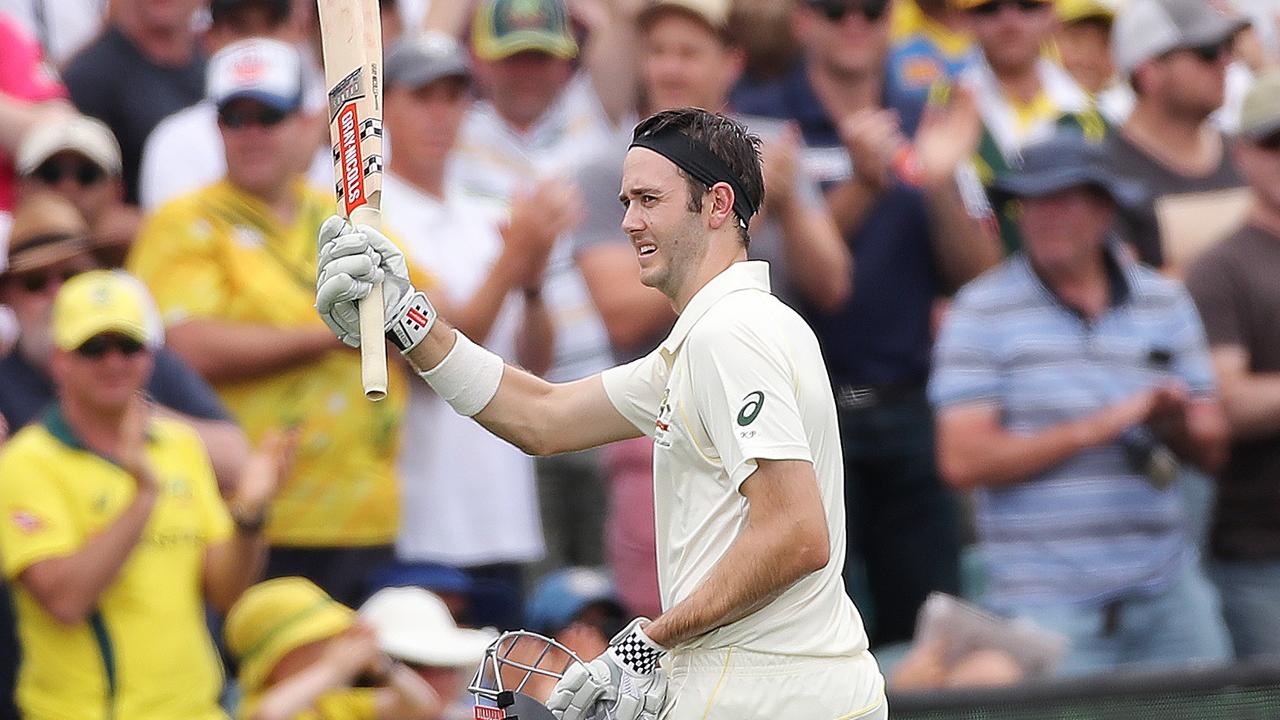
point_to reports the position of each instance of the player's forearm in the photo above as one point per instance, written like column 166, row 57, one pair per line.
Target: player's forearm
column 223, row 351
column 820, row 264
column 68, row 587
column 964, row 246
column 535, row 345
column 1252, row 405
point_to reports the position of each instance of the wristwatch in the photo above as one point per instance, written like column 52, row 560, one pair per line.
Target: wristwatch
column 249, row 523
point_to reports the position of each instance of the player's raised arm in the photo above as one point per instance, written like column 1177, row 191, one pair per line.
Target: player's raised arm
column 539, row 417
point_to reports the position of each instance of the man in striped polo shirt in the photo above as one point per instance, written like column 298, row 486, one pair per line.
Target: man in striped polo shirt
column 1068, row 380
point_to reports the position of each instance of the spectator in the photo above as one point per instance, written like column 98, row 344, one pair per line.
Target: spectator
column 77, row 157
column 1057, row 377
column 60, row 26
column 1235, row 289
column 232, row 267
column 49, row 247
column 579, row 607
column 1175, row 54
column 146, row 65
column 910, row 244
column 184, row 152
column 414, row 627
column 450, row 584
column 929, row 42
column 301, row 654
column 763, row 28
column 114, row 527
column 1083, row 42
column 492, row 282
column 30, row 93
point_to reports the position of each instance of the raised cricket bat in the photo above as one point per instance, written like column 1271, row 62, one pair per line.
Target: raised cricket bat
column 351, row 32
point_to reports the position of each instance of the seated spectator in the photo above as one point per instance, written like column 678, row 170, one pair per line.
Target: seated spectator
column 1196, row 196
column 29, row 95
column 77, row 157
column 304, row 655
column 114, row 535
column 453, row 586
column 1059, row 376
column 1083, row 42
column 1235, row 287
column 48, row 247
column 929, row 41
column 414, row 627
column 579, row 607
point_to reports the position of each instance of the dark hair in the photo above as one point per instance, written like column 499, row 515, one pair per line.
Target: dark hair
column 727, row 139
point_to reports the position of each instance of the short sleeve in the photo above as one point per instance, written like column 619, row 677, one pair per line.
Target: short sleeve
column 37, row 522
column 1191, row 360
column 176, row 386
column 215, row 520
column 1210, row 284
column 635, row 389
column 965, row 370
column 174, row 256
column 744, row 386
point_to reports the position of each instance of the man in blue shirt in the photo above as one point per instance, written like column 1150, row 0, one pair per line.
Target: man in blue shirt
column 1064, row 380
column 901, row 212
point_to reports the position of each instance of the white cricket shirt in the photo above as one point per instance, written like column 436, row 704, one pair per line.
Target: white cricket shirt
column 740, row 377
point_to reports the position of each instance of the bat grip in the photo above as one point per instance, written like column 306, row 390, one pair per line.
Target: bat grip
column 373, row 344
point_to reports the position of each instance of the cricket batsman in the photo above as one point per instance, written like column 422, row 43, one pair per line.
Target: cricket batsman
column 747, row 467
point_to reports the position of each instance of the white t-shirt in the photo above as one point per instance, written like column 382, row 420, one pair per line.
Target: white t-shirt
column 740, row 377
column 493, row 162
column 468, row 497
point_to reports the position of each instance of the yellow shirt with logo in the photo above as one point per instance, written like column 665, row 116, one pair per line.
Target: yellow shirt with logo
column 220, row 254
column 348, row 704
column 145, row 652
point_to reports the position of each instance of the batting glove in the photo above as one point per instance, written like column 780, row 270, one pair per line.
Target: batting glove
column 351, row 260
column 625, row 683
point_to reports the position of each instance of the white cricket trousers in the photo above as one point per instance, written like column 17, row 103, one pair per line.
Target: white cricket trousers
column 736, row 684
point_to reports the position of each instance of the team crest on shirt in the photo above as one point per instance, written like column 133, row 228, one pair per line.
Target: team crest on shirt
column 662, row 426
column 27, row 522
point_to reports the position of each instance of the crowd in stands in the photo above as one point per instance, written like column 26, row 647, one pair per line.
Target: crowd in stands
column 1038, row 240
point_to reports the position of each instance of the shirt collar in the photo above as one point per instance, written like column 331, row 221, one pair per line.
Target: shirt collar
column 55, row 423
column 745, row 275
column 1120, row 271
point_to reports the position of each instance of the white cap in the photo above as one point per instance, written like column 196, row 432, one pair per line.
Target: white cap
column 77, row 133
column 268, row 71
column 1146, row 29
column 414, row 625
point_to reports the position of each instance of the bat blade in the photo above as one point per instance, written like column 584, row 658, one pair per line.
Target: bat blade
column 351, row 35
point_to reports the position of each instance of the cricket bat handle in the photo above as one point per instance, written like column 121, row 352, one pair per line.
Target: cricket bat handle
column 373, row 344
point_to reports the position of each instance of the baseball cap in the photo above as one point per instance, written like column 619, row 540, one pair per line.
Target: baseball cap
column 1064, row 160
column 414, row 625
column 1146, row 29
column 220, row 10
column 1070, row 11
column 562, row 595
column 419, row 61
column 715, row 13
column 268, row 71
column 78, row 133
column 503, row 28
column 46, row 229
column 101, row 301
column 1260, row 112
column 276, row 617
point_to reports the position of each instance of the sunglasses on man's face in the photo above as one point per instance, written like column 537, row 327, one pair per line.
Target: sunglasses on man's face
column 37, row 282
column 1270, row 143
column 1211, row 52
column 236, row 118
column 99, row 345
column 85, row 173
column 835, row 11
column 993, row 8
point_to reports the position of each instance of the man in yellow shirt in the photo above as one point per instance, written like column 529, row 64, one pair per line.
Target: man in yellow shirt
column 113, row 534
column 233, row 269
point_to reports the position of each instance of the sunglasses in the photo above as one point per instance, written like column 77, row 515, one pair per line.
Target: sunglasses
column 236, row 118
column 99, row 345
column 835, row 11
column 1212, row 52
column 993, row 8
column 1270, row 143
column 84, row 173
column 37, row 282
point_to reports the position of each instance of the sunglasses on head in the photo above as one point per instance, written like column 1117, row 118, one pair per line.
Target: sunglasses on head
column 52, row 172
column 836, row 11
column 239, row 117
column 34, row 282
column 99, row 345
column 992, row 8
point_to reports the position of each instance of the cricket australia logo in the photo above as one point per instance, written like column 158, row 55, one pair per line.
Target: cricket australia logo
column 662, row 426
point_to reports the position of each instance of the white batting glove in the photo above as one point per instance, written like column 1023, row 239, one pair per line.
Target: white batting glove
column 625, row 683
column 351, row 260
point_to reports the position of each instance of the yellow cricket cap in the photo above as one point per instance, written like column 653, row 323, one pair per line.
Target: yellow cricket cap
column 101, row 301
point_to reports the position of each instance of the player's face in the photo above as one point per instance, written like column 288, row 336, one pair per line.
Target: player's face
column 1012, row 32
column 1066, row 229
column 685, row 64
column 522, row 87
column 846, row 36
column 423, row 122
column 103, row 373
column 669, row 238
column 261, row 143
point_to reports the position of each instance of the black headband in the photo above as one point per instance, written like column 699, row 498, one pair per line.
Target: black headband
column 702, row 165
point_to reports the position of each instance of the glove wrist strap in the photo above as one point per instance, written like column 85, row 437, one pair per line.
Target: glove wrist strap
column 636, row 651
column 412, row 323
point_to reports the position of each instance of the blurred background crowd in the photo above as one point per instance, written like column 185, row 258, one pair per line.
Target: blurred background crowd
column 1039, row 241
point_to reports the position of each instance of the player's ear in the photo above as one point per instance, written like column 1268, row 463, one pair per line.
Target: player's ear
column 721, row 205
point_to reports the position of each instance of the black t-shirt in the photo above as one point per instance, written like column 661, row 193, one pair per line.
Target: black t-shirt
column 113, row 81
column 1236, row 286
column 25, row 392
